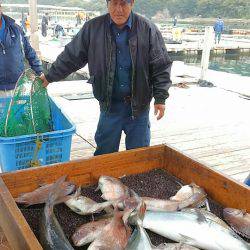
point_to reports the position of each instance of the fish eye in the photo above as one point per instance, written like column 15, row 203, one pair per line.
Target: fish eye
column 77, row 210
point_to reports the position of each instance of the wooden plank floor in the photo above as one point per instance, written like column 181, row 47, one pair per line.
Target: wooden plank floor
column 209, row 124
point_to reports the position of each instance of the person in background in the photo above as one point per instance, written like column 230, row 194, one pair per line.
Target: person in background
column 14, row 49
column 175, row 21
column 45, row 23
column 78, row 19
column 247, row 180
column 23, row 20
column 59, row 31
column 218, row 28
column 128, row 66
column 27, row 24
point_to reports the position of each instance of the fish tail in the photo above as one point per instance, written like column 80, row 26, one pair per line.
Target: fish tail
column 56, row 193
column 22, row 200
column 142, row 210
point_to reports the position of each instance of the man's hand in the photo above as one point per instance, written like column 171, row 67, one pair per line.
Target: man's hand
column 159, row 111
column 45, row 82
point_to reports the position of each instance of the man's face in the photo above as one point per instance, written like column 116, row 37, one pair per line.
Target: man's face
column 120, row 10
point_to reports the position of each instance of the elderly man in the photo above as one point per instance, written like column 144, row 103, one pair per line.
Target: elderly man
column 14, row 48
column 128, row 65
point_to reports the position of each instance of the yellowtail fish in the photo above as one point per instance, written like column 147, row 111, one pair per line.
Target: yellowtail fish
column 194, row 227
column 140, row 240
column 51, row 234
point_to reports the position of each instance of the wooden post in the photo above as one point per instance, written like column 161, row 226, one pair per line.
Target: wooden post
column 34, row 37
column 207, row 45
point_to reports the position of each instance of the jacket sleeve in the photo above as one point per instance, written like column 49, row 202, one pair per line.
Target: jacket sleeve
column 74, row 57
column 159, row 66
column 31, row 55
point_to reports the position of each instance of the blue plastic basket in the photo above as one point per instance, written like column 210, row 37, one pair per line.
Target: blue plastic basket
column 18, row 152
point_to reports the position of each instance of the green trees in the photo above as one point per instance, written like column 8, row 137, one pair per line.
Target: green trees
column 180, row 8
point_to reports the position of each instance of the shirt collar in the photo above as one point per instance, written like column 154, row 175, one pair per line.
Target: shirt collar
column 128, row 23
column 3, row 23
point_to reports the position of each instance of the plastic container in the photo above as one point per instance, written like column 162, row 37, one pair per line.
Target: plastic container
column 21, row 151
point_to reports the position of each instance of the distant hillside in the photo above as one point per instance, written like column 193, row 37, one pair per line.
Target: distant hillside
column 180, row 8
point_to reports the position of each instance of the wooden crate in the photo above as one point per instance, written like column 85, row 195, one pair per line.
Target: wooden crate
column 84, row 172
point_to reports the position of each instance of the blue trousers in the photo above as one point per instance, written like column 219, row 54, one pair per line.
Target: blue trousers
column 111, row 124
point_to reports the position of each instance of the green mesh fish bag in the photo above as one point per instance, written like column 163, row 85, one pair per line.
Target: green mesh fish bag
column 28, row 111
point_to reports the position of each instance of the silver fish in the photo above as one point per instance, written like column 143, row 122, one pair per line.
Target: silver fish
column 140, row 240
column 194, row 227
column 84, row 206
column 239, row 220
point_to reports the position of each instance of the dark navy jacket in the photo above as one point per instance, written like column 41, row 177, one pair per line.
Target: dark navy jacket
column 95, row 45
column 13, row 50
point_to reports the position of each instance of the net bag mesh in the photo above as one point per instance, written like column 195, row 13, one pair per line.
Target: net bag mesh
column 28, row 111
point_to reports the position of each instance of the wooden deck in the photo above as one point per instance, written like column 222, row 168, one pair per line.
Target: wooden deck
column 209, row 124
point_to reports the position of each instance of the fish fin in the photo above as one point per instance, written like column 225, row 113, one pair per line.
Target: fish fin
column 185, row 239
column 142, row 210
column 240, row 233
column 42, row 184
column 109, row 210
column 78, row 192
column 207, row 205
column 97, row 189
column 63, row 199
column 200, row 217
column 179, row 183
column 55, row 192
column 133, row 236
column 20, row 200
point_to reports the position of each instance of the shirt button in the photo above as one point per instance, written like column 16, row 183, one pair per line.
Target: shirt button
column 118, row 34
column 120, row 67
column 119, row 51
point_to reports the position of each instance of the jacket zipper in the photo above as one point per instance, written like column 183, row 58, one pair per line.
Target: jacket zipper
column 132, row 80
column 110, row 59
column 3, row 48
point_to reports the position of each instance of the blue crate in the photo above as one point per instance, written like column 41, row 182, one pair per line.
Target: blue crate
column 17, row 152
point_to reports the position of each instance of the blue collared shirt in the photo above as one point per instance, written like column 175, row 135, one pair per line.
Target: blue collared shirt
column 122, row 80
column 2, row 30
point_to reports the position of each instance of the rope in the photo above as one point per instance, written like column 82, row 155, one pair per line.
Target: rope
column 86, row 140
column 35, row 162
